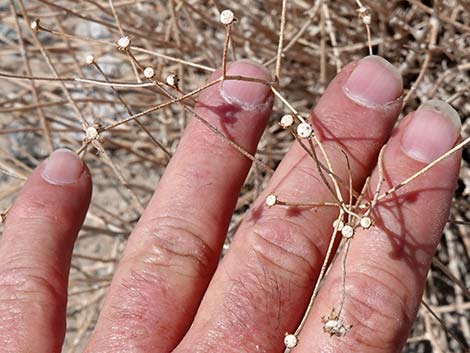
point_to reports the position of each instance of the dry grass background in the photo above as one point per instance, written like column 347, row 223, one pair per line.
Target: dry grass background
column 428, row 41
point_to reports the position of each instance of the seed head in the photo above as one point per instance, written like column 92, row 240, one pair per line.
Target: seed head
column 124, row 42
column 286, row 121
column 339, row 224
column 172, row 80
column 366, row 222
column 271, row 200
column 304, row 130
column 35, row 25
column 90, row 59
column 290, row 341
column 149, row 72
column 91, row 133
column 227, row 17
column 347, row 231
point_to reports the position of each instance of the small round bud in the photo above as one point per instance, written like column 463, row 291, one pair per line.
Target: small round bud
column 338, row 224
column 367, row 19
column 286, row 121
column 290, row 341
column 172, row 80
column 149, row 72
column 35, row 25
column 304, row 130
column 124, row 42
column 365, row 222
column 91, row 133
column 90, row 59
column 271, row 200
column 347, row 231
column 227, row 17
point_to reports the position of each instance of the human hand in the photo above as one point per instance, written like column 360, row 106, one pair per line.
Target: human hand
column 168, row 293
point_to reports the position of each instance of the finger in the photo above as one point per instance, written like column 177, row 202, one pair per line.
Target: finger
column 264, row 282
column 35, row 254
column 387, row 265
column 174, row 249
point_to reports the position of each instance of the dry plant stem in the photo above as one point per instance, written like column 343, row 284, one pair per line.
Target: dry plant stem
column 162, row 105
column 51, row 65
column 104, row 23
column 24, row 54
column 433, row 31
column 134, row 48
column 443, row 18
column 320, row 171
column 323, row 54
column 380, row 182
column 306, row 204
column 343, row 276
column 322, row 166
column 369, row 37
column 281, row 41
column 228, row 31
column 215, row 130
column 321, row 274
column 288, row 105
column 462, row 344
column 119, row 175
column 436, row 262
column 299, row 34
column 129, row 111
column 425, row 169
column 331, row 31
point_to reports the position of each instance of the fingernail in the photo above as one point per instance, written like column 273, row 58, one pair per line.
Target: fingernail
column 432, row 131
column 374, row 82
column 62, row 167
column 248, row 95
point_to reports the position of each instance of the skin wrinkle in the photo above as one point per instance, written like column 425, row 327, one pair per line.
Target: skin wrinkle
column 269, row 249
column 166, row 247
column 258, row 290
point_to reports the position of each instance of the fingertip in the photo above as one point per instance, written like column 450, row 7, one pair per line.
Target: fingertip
column 63, row 167
column 431, row 131
column 374, row 82
column 248, row 95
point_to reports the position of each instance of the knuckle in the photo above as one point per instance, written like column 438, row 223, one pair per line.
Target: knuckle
column 175, row 243
column 34, row 212
column 22, row 286
column 378, row 313
column 286, row 245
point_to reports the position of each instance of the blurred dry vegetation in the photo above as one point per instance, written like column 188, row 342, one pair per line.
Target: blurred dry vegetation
column 429, row 41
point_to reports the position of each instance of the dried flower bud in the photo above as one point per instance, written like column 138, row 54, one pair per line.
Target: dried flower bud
column 90, row 59
column 149, row 72
column 271, row 200
column 304, row 130
column 227, row 17
column 35, row 25
column 286, row 121
column 124, row 42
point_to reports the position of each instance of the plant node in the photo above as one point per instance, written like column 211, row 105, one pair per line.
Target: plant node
column 334, row 325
